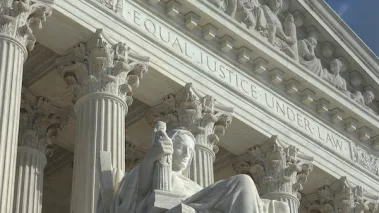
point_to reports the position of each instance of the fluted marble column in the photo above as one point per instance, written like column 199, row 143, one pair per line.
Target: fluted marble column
column 39, row 123
column 102, row 78
column 277, row 171
column 206, row 120
column 16, row 37
column 31, row 162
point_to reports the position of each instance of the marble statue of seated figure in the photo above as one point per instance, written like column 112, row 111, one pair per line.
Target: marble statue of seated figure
column 307, row 56
column 235, row 194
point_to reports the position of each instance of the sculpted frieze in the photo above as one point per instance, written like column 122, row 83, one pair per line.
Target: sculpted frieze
column 364, row 159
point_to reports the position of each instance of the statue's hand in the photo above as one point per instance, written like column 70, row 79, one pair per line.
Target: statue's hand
column 161, row 147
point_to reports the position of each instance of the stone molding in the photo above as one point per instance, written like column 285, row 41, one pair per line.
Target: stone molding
column 19, row 18
column 40, row 122
column 275, row 168
column 341, row 196
column 100, row 65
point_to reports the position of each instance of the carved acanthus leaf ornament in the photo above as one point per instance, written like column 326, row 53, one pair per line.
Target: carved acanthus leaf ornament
column 275, row 168
column 19, row 18
column 342, row 196
column 199, row 114
column 101, row 66
column 39, row 122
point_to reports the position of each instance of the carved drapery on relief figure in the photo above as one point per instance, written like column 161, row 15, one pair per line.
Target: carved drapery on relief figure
column 264, row 19
column 342, row 196
column 204, row 118
column 18, row 19
column 334, row 77
column 278, row 171
column 100, row 66
column 235, row 194
column 307, row 56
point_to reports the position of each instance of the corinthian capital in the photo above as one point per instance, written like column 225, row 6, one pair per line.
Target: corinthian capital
column 19, row 18
column 197, row 113
column 342, row 196
column 40, row 122
column 100, row 65
column 275, row 168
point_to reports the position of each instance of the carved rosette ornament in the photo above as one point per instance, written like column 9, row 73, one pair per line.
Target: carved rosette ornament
column 342, row 196
column 278, row 171
column 19, row 18
column 40, row 123
column 201, row 115
column 99, row 65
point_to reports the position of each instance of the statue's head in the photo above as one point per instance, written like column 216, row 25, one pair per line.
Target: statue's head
column 368, row 96
column 313, row 41
column 335, row 66
column 275, row 5
column 184, row 147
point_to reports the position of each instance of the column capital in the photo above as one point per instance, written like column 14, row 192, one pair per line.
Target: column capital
column 198, row 113
column 275, row 168
column 19, row 18
column 342, row 196
column 102, row 65
column 40, row 122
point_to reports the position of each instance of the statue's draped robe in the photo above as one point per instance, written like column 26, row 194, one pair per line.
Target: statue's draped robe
column 338, row 82
column 235, row 194
column 314, row 65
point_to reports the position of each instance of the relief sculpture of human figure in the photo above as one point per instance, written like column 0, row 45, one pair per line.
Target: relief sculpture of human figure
column 335, row 78
column 235, row 194
column 282, row 36
column 364, row 99
column 307, row 56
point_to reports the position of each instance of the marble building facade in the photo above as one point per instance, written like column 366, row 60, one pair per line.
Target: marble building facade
column 280, row 90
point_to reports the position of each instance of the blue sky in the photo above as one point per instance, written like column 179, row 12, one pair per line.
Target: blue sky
column 362, row 16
